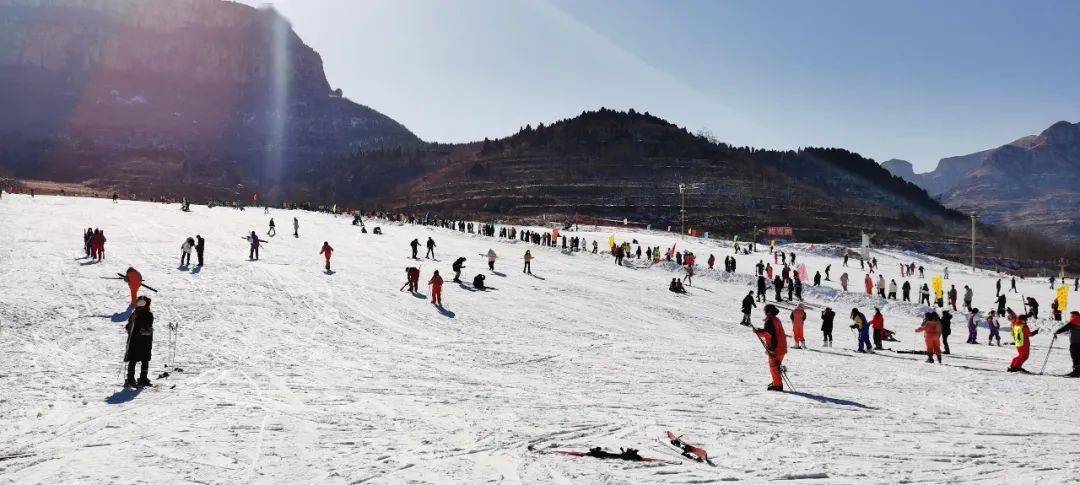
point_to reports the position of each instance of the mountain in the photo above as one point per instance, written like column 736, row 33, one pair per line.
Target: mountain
column 169, row 96
column 615, row 165
column 1029, row 183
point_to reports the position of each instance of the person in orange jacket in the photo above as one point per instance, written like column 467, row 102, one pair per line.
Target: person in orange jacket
column 931, row 328
column 436, row 288
column 877, row 324
column 798, row 318
column 775, row 340
column 1022, row 338
column 869, row 285
column 134, row 281
column 326, row 251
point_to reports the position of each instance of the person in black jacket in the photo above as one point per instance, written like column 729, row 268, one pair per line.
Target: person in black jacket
column 1073, row 327
column 140, row 330
column 478, row 282
column 415, row 244
column 761, row 287
column 200, row 245
column 458, row 264
column 778, row 286
column 946, row 330
column 906, row 289
column 747, row 304
column 827, row 317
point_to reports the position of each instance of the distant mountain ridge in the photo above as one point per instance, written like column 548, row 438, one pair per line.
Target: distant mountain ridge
column 1032, row 182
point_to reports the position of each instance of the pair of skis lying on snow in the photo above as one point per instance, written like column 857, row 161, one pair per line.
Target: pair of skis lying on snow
column 686, row 450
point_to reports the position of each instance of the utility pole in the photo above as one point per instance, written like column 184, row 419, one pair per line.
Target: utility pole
column 972, row 242
column 1062, row 263
column 682, row 208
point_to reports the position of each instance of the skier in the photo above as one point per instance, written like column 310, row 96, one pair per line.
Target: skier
column 295, row 227
column 326, row 251
column 491, row 259
column 778, row 285
column 881, row 285
column 924, row 295
column 134, row 280
column 140, row 342
column 768, row 271
column 760, row 267
column 947, row 275
column 973, row 326
column 1022, row 339
column 869, row 284
column 415, row 245
column 892, row 289
column 946, row 328
column 712, row 260
column 952, row 297
column 200, row 245
column 430, row 248
column 528, row 262
column 747, row 304
column 86, row 241
column 761, row 287
column 798, row 319
column 817, row 278
column 877, row 325
column 906, row 290
column 863, row 327
column 478, row 281
column 273, row 229
column 968, row 296
column 458, row 264
column 412, row 273
column 827, row 269
column 775, row 340
column 253, row 254
column 798, row 289
column 1013, row 285
column 827, row 317
column 843, row 281
column 1001, row 305
column 1033, row 308
column 931, row 328
column 1073, row 327
column 1055, row 310
column 185, row 252
column 436, row 283
column 995, row 328
column 921, row 274
column 997, row 287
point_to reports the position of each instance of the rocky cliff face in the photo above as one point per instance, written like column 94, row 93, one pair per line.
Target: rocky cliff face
column 204, row 92
column 1032, row 183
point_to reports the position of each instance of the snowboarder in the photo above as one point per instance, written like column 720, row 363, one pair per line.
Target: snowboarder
column 747, row 304
column 430, row 248
column 827, row 317
column 436, row 283
column 273, row 229
column 798, row 319
column 863, row 327
column 458, row 264
column 931, row 330
column 140, row 342
column 491, row 259
column 1073, row 327
column 185, row 252
column 1022, row 339
column 200, row 245
column 326, row 251
column 775, row 340
column 528, row 262
column 253, row 253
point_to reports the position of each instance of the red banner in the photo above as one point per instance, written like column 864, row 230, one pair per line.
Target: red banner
column 779, row 231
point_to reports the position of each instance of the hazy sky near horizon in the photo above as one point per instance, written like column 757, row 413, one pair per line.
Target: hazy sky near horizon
column 917, row 80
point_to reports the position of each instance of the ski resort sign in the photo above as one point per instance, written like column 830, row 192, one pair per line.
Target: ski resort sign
column 779, row 231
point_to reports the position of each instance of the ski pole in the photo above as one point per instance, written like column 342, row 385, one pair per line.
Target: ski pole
column 1047, row 359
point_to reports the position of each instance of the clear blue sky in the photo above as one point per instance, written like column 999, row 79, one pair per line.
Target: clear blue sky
column 917, row 80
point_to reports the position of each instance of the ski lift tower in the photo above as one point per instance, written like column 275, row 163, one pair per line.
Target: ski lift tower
column 973, row 216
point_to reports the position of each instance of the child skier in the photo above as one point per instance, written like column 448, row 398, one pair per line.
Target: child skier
column 436, row 283
column 798, row 318
column 1022, row 339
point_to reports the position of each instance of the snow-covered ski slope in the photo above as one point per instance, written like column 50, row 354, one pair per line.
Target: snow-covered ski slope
column 291, row 375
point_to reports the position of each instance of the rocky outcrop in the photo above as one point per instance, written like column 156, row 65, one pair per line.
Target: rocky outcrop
column 204, row 92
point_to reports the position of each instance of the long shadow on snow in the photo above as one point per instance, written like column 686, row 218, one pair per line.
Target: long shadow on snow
column 466, row 287
column 830, row 400
column 445, row 312
column 122, row 396
column 85, row 263
column 496, row 273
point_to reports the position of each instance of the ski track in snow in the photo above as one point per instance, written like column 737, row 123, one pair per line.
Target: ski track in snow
column 292, row 375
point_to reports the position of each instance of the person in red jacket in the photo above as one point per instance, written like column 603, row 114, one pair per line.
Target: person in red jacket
column 775, row 340
column 798, row 319
column 869, row 285
column 436, row 288
column 1073, row 327
column 134, row 281
column 931, row 328
column 413, row 275
column 877, row 324
column 1022, row 338
column 326, row 251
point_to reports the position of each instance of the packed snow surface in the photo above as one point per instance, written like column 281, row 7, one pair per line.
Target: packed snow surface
column 293, row 375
